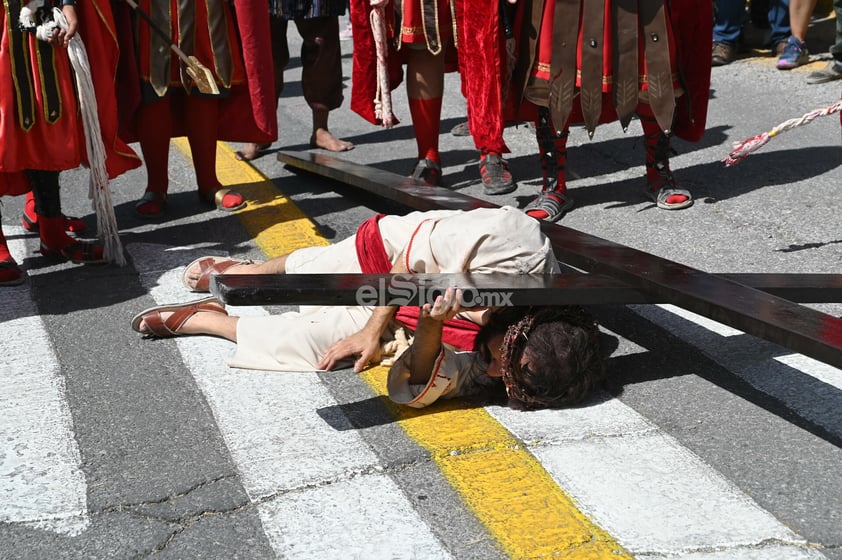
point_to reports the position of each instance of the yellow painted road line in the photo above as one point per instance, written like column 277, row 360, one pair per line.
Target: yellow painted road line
column 272, row 220
column 503, row 484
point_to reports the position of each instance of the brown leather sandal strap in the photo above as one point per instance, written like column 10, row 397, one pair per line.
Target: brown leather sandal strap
column 590, row 91
column 563, row 65
column 625, row 57
column 156, row 325
column 207, row 268
column 180, row 316
column 658, row 68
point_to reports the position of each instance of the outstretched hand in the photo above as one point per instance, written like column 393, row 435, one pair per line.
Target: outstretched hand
column 364, row 344
column 445, row 307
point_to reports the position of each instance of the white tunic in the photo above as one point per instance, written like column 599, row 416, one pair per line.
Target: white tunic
column 482, row 240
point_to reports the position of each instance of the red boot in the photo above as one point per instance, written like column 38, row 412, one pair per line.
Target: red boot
column 10, row 273
column 30, row 218
column 55, row 243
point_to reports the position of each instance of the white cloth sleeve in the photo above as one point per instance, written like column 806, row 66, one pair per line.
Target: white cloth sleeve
column 454, row 374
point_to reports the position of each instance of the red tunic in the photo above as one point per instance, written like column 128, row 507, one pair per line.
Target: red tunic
column 247, row 105
column 50, row 137
column 479, row 50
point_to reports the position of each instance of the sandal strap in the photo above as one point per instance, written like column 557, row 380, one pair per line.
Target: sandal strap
column 9, row 264
column 551, row 202
column 493, row 167
column 208, row 268
column 665, row 192
column 169, row 328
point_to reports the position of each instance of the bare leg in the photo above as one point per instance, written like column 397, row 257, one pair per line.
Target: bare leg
column 323, row 138
column 800, row 12
column 272, row 266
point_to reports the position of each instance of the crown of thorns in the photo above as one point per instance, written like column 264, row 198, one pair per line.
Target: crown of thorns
column 514, row 344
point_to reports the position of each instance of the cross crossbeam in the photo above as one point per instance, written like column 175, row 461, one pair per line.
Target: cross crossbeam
column 496, row 289
column 722, row 299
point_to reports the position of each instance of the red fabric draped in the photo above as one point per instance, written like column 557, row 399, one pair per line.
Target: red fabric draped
column 478, row 59
column 61, row 145
column 457, row 332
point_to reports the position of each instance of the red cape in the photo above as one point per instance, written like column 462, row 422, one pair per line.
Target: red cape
column 480, row 53
column 247, row 114
column 61, row 146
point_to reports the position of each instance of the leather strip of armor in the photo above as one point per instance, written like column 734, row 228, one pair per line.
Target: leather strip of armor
column 186, row 36
column 430, row 17
column 563, row 76
column 590, row 90
column 658, row 69
column 218, row 30
column 49, row 79
column 625, row 59
column 159, row 64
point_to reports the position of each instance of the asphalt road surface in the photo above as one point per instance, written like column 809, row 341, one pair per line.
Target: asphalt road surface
column 708, row 444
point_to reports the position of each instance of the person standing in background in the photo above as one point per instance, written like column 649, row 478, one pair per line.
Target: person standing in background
column 317, row 22
column 41, row 132
column 160, row 101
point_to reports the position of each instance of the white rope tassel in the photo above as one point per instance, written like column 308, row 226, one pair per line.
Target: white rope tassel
column 99, row 190
column 383, row 99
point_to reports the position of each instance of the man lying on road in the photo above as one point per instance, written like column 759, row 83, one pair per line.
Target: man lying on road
column 539, row 357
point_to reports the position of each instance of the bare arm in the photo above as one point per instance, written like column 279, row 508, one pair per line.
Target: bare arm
column 61, row 38
column 427, row 344
column 366, row 342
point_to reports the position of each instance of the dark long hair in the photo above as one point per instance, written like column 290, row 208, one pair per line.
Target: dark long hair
column 561, row 344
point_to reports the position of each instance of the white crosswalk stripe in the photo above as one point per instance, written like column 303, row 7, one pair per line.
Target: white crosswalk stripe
column 320, row 490
column 290, row 459
column 41, row 483
column 653, row 495
column 776, row 376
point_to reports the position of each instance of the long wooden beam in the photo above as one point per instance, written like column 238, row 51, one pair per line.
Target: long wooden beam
column 799, row 328
column 495, row 289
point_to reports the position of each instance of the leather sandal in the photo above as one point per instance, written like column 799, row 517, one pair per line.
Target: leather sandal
column 216, row 198
column 552, row 203
column 151, row 205
column 428, row 171
column 660, row 190
column 10, row 273
column 160, row 328
column 208, row 266
column 461, row 129
column 77, row 252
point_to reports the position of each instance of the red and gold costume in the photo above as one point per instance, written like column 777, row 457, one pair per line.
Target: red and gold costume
column 472, row 26
column 40, row 125
column 159, row 100
column 604, row 40
column 41, row 128
column 583, row 61
column 237, row 50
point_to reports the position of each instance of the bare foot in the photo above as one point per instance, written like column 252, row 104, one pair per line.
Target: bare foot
column 196, row 271
column 250, row 151
column 323, row 138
